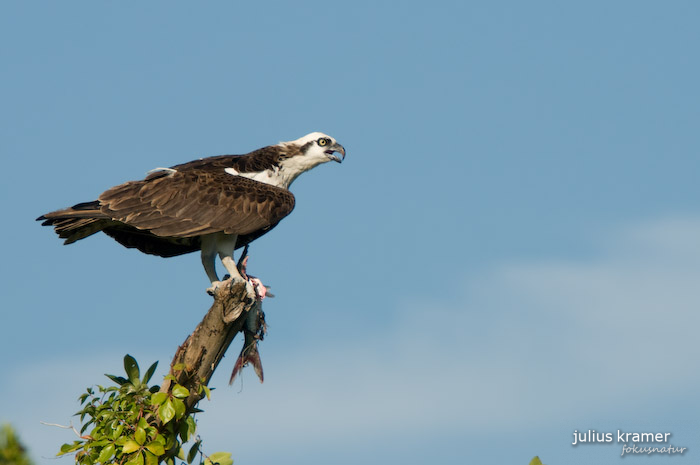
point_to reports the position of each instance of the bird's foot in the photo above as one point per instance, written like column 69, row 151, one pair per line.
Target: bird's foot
column 226, row 282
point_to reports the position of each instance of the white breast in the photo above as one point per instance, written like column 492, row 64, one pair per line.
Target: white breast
column 273, row 177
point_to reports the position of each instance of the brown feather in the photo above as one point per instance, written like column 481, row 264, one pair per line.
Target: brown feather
column 165, row 213
column 196, row 202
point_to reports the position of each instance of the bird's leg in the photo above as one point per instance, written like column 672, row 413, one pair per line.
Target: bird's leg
column 209, row 263
column 225, row 245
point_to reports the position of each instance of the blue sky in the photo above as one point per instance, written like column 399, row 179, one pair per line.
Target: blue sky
column 509, row 253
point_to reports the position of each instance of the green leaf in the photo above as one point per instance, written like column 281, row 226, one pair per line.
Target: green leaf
column 178, row 367
column 149, row 373
column 117, row 379
column 132, row 369
column 68, row 448
column 100, row 443
column 170, row 437
column 179, row 408
column 151, row 459
column 86, row 425
column 207, row 391
column 156, row 448
column 158, row 398
column 181, row 392
column 106, row 453
column 187, row 429
column 222, row 458
column 140, row 436
column 117, row 432
column 130, row 446
column 166, row 412
column 536, row 461
column 193, row 452
column 136, row 459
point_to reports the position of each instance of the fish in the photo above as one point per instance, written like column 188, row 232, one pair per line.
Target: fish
column 254, row 329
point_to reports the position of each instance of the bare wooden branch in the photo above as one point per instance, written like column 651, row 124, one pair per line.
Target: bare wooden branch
column 63, row 426
column 202, row 351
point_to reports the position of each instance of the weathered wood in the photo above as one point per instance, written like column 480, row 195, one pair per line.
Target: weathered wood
column 205, row 347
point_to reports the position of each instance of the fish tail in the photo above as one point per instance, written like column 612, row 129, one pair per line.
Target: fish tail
column 249, row 354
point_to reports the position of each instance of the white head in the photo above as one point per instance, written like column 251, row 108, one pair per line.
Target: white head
column 301, row 155
column 318, row 148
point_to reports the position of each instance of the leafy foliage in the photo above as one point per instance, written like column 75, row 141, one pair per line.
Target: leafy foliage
column 12, row 452
column 535, row 461
column 132, row 424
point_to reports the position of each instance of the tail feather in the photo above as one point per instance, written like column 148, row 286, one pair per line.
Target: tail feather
column 85, row 219
column 77, row 222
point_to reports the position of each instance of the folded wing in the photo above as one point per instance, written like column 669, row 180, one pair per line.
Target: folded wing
column 197, row 202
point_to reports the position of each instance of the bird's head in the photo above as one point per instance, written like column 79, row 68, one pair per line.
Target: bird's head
column 307, row 152
column 320, row 148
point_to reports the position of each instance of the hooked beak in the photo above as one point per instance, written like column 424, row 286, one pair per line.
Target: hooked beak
column 336, row 148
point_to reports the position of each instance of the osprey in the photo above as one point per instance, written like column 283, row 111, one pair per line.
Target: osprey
column 216, row 204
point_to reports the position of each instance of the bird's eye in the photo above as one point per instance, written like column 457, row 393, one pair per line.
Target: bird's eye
column 323, row 141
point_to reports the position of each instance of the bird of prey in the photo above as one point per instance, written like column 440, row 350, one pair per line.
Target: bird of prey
column 216, row 204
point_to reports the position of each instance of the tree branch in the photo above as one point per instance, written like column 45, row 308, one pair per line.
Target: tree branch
column 202, row 351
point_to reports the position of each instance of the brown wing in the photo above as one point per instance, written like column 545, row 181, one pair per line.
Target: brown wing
column 258, row 160
column 197, row 202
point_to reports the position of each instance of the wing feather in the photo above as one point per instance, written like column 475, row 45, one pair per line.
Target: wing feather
column 195, row 202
